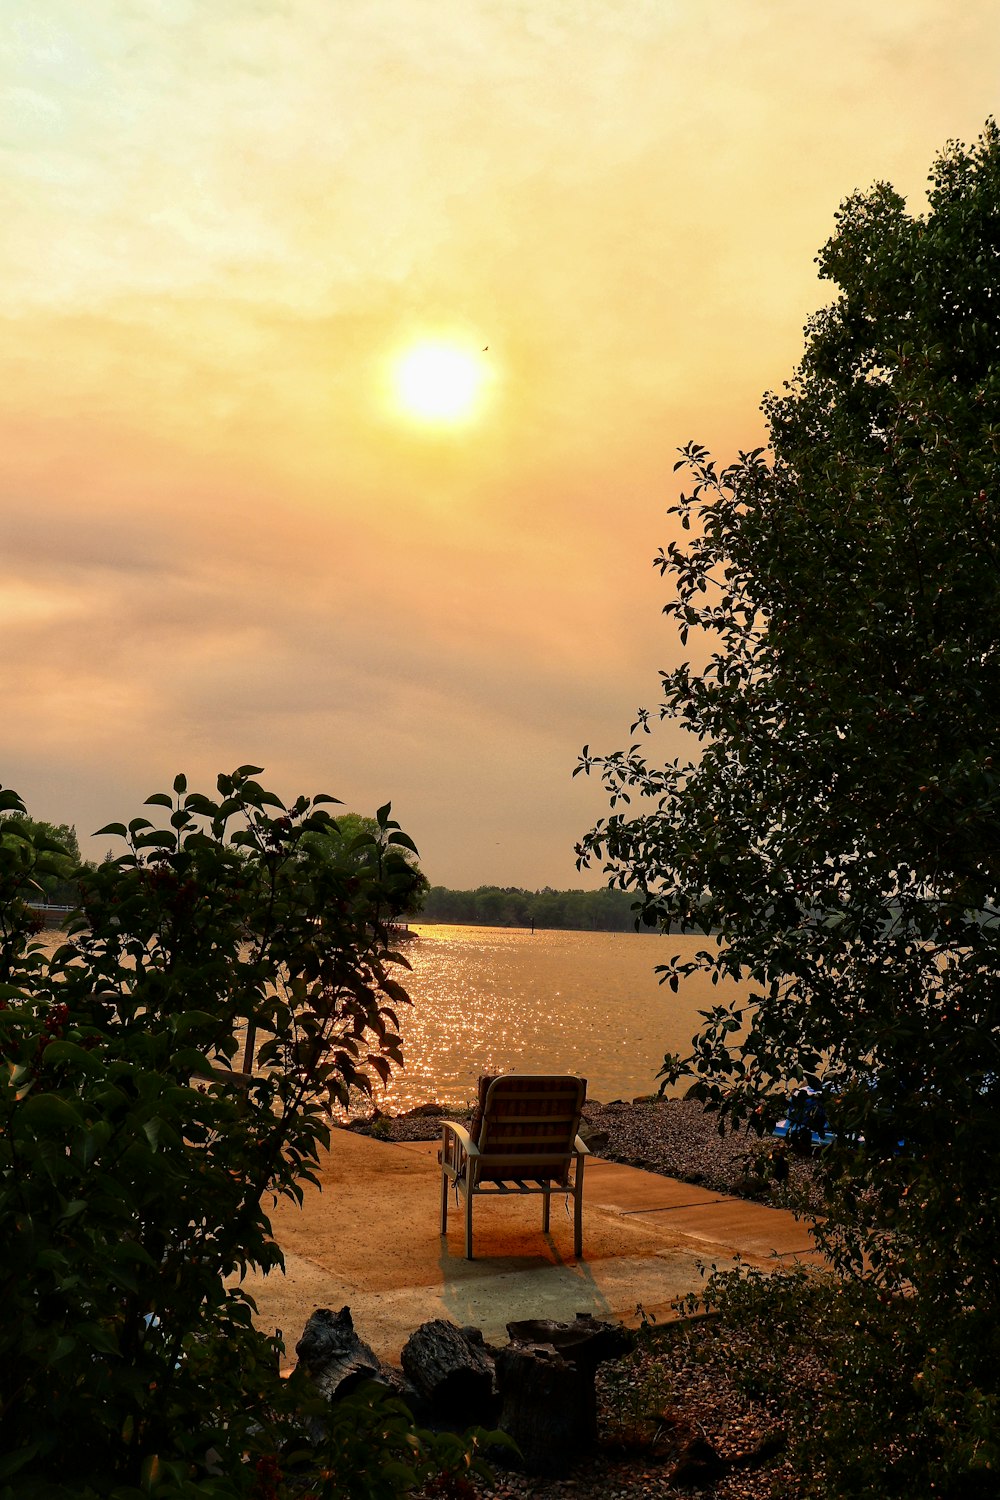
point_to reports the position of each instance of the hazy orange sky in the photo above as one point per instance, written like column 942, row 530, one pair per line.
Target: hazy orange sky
column 223, row 538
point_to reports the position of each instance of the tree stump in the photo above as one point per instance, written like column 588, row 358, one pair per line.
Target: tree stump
column 586, row 1341
column 451, row 1370
column 546, row 1379
column 547, row 1408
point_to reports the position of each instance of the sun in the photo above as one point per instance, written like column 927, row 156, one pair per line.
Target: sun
column 441, row 384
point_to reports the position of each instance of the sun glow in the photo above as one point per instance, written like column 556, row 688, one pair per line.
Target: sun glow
column 440, row 383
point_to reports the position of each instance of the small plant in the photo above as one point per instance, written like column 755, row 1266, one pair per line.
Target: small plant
column 636, row 1391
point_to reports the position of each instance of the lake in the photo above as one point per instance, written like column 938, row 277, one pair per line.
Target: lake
column 498, row 999
column 503, row 999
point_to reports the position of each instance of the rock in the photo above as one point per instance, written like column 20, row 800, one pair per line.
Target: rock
column 592, row 1136
column 699, row 1466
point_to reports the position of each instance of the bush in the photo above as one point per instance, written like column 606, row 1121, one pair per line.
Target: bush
column 847, row 1364
column 136, row 1156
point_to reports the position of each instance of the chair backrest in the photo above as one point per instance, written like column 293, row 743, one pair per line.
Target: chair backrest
column 525, row 1125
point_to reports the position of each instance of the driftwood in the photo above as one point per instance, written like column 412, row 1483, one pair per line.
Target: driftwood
column 451, row 1371
column 539, row 1389
column 546, row 1380
column 334, row 1358
column 586, row 1342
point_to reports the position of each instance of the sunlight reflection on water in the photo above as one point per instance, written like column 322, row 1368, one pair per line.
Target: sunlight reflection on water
column 492, row 999
column 499, row 999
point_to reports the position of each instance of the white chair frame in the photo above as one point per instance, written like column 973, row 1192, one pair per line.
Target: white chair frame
column 559, row 1168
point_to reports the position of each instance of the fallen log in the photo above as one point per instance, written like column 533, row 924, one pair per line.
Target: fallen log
column 452, row 1372
column 334, row 1358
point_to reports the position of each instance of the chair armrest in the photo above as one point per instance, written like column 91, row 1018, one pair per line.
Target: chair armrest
column 456, row 1142
column 462, row 1135
column 580, row 1147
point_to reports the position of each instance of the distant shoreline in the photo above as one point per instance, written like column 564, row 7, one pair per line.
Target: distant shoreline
column 633, row 931
column 423, row 921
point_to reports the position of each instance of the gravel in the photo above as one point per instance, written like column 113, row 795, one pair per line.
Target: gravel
column 674, row 1137
column 673, row 1422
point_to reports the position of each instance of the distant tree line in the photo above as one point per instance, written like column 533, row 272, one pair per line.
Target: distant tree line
column 54, row 876
column 509, row 906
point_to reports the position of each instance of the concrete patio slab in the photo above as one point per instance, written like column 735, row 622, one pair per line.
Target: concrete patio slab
column 369, row 1240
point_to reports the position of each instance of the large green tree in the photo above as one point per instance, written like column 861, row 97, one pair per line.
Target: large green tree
column 837, row 828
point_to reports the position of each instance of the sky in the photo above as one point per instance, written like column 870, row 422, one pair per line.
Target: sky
column 227, row 536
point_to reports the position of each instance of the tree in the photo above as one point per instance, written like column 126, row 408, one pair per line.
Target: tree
column 601, row 910
column 838, row 829
column 376, row 845
column 136, row 1160
column 54, row 878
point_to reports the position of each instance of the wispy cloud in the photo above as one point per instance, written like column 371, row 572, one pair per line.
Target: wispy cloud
column 219, row 541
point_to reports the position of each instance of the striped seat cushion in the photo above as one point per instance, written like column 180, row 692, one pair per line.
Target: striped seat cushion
column 526, row 1115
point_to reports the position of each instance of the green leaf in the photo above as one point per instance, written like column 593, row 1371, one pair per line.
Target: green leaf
column 186, row 1021
column 159, row 838
column 20, row 1458
column 159, row 799
column 202, row 806
column 85, row 1062
column 98, row 1337
column 49, row 1113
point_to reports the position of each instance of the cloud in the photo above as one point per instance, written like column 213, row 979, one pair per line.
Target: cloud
column 219, row 543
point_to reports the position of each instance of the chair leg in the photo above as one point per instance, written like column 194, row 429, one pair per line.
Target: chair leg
column 468, row 1224
column 546, row 1203
column 578, row 1212
column 444, row 1201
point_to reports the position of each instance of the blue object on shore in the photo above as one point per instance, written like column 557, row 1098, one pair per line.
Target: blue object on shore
column 805, row 1124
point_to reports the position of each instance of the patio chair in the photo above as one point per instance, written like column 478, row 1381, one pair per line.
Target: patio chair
column 522, row 1139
